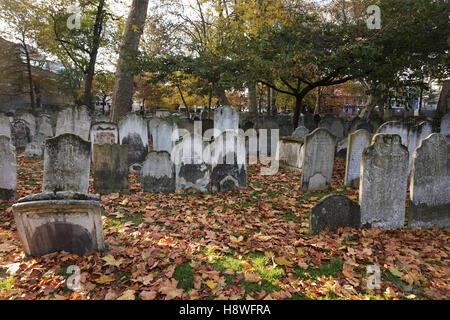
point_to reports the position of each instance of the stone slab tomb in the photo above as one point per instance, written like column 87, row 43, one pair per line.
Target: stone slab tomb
column 318, row 159
column 430, row 183
column 158, row 173
column 8, row 169
column 229, row 167
column 334, row 211
column 110, row 168
column 357, row 142
column 134, row 133
column 384, row 174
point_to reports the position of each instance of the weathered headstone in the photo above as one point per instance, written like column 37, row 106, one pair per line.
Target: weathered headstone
column 31, row 121
column 158, row 173
column 8, row 169
column 430, row 183
column 67, row 162
column 357, row 141
column 384, row 174
column 163, row 139
column 5, row 126
column 417, row 134
column 20, row 133
column 152, row 124
column 301, row 132
column 226, row 118
column 134, row 133
column 110, row 168
column 35, row 149
column 45, row 126
column 190, row 156
column 395, row 127
column 289, row 153
column 318, row 159
column 104, row 133
column 333, row 125
column 445, row 124
column 74, row 120
column 229, row 168
column 334, row 211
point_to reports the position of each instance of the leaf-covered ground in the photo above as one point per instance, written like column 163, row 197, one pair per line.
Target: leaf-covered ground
column 251, row 244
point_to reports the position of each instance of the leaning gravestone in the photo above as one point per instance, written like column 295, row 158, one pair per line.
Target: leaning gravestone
column 226, row 118
column 229, row 168
column 430, row 183
column 395, row 127
column 318, row 159
column 445, row 124
column 191, row 159
column 334, row 125
column 301, row 132
column 357, row 142
column 417, row 134
column 74, row 120
column 5, row 126
column 134, row 133
column 8, row 169
column 20, row 133
column 67, row 161
column 163, row 138
column 384, row 174
column 158, row 174
column 110, row 168
column 334, row 211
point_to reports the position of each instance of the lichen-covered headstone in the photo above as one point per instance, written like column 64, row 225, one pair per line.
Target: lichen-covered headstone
column 67, row 162
column 5, row 126
column 445, row 124
column 318, row 159
column 110, row 168
column 134, row 133
column 357, row 141
column 334, row 211
column 20, row 134
column 417, row 134
column 430, row 183
column 384, row 174
column 192, row 164
column 395, row 127
column 8, row 169
column 301, row 132
column 226, row 118
column 103, row 133
column 158, row 173
column 229, row 168
column 74, row 120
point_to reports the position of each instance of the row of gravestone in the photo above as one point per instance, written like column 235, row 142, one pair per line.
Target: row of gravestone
column 383, row 188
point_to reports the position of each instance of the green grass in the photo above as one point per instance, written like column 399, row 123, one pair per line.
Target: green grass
column 332, row 268
column 6, row 284
column 185, row 276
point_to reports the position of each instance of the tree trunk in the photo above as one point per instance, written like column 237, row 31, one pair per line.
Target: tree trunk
column 123, row 87
column 252, row 102
column 223, row 100
column 269, row 101
column 182, row 98
column 30, row 77
column 318, row 100
column 98, row 26
column 274, row 102
column 299, row 108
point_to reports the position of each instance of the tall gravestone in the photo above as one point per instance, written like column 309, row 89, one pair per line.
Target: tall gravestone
column 334, row 211
column 229, row 168
column 158, row 173
column 415, row 135
column 430, row 183
column 357, row 141
column 318, row 159
column 5, row 126
column 20, row 134
column 384, row 174
column 226, row 118
column 395, row 127
column 8, row 169
column 74, row 120
column 67, row 162
column 163, row 140
column 445, row 125
column 110, row 168
column 191, row 157
column 134, row 133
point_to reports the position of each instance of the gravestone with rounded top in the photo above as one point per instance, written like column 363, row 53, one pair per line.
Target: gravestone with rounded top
column 134, row 133
column 357, row 142
column 301, row 132
column 395, row 127
column 415, row 135
column 20, row 133
column 158, row 173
